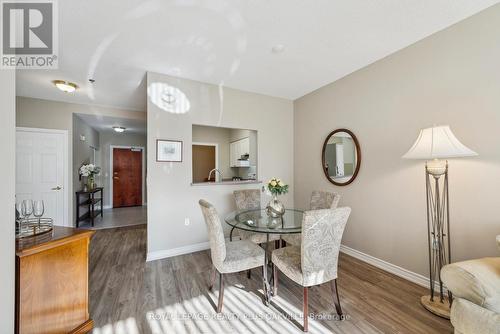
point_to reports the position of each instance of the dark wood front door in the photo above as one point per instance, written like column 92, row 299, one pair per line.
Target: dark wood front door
column 127, row 177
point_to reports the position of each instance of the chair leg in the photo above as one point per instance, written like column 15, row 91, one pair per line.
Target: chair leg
column 275, row 279
column 221, row 292
column 306, row 312
column 263, row 281
column 249, row 273
column 336, row 297
column 212, row 278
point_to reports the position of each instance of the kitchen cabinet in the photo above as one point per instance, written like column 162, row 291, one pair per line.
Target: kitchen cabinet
column 237, row 149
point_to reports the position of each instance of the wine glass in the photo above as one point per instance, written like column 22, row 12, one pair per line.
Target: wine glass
column 19, row 210
column 19, row 215
column 38, row 210
column 27, row 208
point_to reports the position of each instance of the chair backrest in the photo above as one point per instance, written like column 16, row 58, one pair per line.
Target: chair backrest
column 324, row 200
column 321, row 236
column 215, row 233
column 248, row 199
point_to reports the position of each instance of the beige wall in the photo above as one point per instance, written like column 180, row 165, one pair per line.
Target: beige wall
column 452, row 77
column 82, row 152
column 172, row 201
column 38, row 113
column 118, row 139
column 7, row 199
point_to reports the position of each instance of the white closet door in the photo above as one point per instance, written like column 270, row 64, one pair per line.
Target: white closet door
column 40, row 167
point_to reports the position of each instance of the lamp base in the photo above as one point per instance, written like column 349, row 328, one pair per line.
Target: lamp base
column 436, row 167
column 436, row 307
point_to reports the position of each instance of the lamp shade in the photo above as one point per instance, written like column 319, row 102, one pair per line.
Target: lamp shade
column 438, row 142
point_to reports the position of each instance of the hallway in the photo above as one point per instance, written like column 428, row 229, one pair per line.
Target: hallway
column 119, row 217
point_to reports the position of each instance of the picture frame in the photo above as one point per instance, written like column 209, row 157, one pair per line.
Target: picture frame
column 169, row 150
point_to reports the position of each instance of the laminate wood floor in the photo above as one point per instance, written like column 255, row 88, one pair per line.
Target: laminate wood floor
column 118, row 217
column 130, row 296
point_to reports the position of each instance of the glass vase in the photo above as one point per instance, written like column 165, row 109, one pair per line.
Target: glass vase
column 90, row 183
column 275, row 208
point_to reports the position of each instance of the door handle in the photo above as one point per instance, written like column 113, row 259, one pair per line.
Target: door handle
column 57, row 188
column 116, row 178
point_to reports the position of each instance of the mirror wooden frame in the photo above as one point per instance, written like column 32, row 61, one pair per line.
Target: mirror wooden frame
column 358, row 153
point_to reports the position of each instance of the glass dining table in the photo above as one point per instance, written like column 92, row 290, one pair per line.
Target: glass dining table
column 258, row 221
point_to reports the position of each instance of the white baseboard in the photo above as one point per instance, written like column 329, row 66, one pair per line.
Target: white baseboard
column 389, row 267
column 162, row 254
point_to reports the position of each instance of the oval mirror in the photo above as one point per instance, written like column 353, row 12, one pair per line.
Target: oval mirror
column 341, row 157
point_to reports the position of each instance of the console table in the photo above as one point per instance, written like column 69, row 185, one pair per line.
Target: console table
column 90, row 202
column 52, row 282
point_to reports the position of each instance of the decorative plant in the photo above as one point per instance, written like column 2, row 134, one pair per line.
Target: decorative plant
column 89, row 171
column 277, row 187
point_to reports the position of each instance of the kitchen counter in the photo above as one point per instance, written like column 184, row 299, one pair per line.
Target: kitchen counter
column 225, row 182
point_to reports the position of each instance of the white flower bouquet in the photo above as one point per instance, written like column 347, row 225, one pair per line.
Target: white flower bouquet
column 275, row 208
column 277, row 187
column 89, row 170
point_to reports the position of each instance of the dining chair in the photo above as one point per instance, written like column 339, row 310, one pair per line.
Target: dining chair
column 249, row 199
column 315, row 261
column 319, row 200
column 230, row 257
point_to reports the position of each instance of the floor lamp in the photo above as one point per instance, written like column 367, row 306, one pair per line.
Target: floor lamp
column 433, row 145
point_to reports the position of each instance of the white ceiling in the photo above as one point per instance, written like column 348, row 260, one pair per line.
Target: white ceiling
column 229, row 42
column 105, row 124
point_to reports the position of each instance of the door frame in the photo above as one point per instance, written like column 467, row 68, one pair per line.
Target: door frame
column 65, row 188
column 143, row 183
column 216, row 145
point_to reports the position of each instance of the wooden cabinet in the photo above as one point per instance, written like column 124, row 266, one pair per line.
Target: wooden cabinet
column 237, row 149
column 52, row 282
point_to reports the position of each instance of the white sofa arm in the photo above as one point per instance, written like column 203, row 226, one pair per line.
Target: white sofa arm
column 478, row 281
column 469, row 318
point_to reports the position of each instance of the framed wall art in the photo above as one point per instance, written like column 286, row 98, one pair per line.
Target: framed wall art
column 168, row 150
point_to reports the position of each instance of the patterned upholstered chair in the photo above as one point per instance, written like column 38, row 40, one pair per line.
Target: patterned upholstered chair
column 316, row 260
column 319, row 200
column 249, row 199
column 228, row 257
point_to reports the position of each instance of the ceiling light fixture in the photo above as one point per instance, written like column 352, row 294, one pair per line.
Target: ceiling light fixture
column 118, row 129
column 278, row 48
column 65, row 86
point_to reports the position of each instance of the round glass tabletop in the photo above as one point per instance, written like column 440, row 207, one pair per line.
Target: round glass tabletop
column 258, row 221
